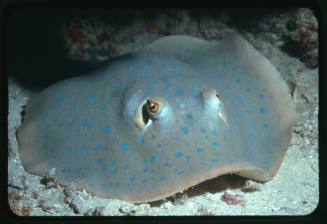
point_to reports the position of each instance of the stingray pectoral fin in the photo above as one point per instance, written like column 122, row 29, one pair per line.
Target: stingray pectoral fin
column 193, row 50
column 185, row 48
column 271, row 100
column 256, row 98
column 255, row 63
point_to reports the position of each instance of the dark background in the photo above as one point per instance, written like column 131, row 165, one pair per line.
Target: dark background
column 36, row 57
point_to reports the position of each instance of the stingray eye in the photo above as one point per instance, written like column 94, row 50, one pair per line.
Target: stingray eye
column 152, row 106
column 152, row 109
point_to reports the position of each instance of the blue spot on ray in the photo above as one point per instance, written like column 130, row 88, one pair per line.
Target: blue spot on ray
column 86, row 123
column 82, row 149
column 178, row 91
column 265, row 125
column 199, row 150
column 124, row 147
column 214, row 132
column 145, row 169
column 262, row 110
column 189, row 115
column 155, row 158
column 215, row 144
column 103, row 167
column 142, row 139
column 92, row 100
column 107, row 129
column 178, row 154
column 97, row 147
column 184, row 130
column 132, row 178
column 77, row 171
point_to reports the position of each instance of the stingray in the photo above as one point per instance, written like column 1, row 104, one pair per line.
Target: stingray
column 151, row 123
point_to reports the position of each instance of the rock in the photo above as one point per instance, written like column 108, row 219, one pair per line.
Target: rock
column 70, row 190
column 49, row 179
column 311, row 58
column 16, row 180
column 19, row 209
column 143, row 209
column 127, row 209
column 79, row 205
column 251, row 186
column 302, row 39
column 106, row 211
column 180, row 198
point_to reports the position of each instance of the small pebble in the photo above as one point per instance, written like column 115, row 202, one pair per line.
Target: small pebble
column 232, row 199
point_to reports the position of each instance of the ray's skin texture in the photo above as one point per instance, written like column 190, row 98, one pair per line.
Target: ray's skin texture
column 153, row 123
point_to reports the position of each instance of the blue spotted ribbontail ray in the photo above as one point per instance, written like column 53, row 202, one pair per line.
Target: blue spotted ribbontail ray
column 146, row 125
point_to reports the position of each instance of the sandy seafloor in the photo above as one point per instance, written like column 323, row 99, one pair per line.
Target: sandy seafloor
column 293, row 191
